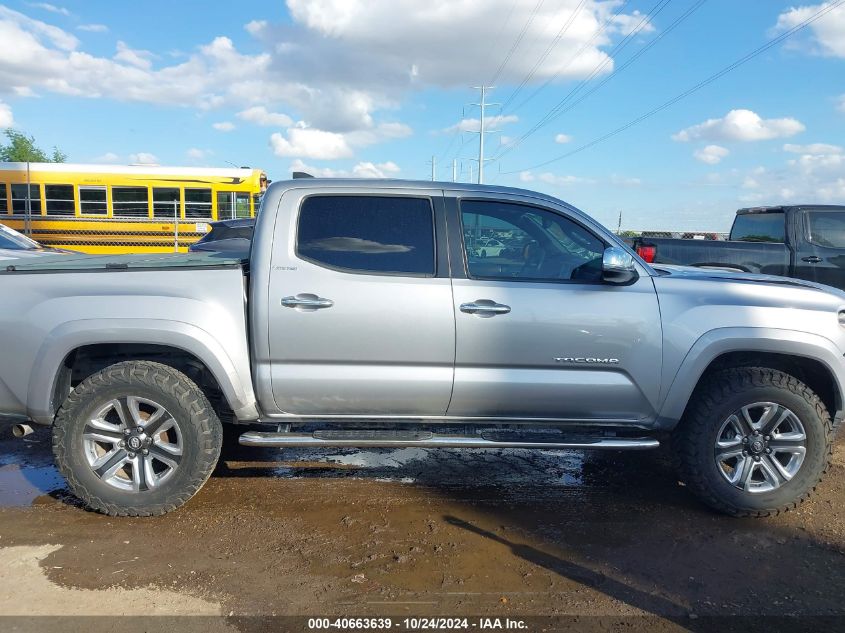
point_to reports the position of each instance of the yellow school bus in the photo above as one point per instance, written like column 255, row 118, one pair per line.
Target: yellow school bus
column 123, row 209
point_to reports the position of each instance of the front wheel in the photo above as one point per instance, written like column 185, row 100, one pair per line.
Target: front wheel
column 136, row 439
column 754, row 442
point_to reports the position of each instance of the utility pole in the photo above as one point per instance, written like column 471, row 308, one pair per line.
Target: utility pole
column 619, row 223
column 454, row 170
column 434, row 168
column 482, row 106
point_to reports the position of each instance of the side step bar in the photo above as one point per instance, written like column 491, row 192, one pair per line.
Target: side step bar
column 388, row 439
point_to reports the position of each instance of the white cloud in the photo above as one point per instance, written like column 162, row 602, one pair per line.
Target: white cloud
column 741, row 125
column 143, row 158
column 21, row 37
column 840, row 103
column 563, row 138
column 196, row 153
column 711, row 154
column 622, row 181
column 812, row 148
column 6, row 118
column 52, row 8
column 255, row 27
column 474, row 125
column 223, row 126
column 108, row 157
column 827, row 35
column 310, row 143
column 814, row 178
column 93, row 28
column 261, row 116
column 554, row 179
column 360, row 170
column 134, row 57
column 381, row 50
column 412, row 41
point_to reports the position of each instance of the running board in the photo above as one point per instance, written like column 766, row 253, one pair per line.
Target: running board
column 425, row 439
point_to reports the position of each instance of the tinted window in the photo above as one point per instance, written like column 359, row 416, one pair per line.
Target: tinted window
column 130, row 202
column 198, row 203
column 759, row 227
column 166, row 202
column 92, row 201
column 827, row 228
column 368, row 233
column 19, row 196
column 514, row 241
column 59, row 199
column 4, row 201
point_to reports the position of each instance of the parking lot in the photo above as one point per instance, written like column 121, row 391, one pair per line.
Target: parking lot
column 413, row 531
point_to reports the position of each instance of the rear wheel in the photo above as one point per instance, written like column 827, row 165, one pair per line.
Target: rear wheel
column 755, row 442
column 136, row 439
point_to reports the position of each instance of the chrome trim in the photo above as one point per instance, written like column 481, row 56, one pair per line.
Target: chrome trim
column 484, row 306
column 306, row 301
column 258, row 438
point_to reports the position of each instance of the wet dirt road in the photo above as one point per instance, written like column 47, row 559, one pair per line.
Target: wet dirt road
column 412, row 531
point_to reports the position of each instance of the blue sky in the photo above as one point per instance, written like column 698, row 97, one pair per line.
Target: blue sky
column 378, row 87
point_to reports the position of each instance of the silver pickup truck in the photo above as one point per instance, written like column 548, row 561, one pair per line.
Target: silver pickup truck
column 364, row 317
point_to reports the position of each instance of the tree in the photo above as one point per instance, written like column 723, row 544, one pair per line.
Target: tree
column 22, row 148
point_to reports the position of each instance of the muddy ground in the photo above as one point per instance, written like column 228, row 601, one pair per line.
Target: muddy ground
column 413, row 531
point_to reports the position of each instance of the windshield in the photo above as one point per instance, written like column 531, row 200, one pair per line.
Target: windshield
column 13, row 240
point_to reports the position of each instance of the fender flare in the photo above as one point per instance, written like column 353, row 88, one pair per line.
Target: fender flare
column 717, row 342
column 236, row 388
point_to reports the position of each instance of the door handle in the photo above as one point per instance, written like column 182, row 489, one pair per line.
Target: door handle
column 485, row 307
column 307, row 301
column 812, row 259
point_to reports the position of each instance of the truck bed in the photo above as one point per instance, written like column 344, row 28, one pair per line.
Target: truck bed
column 140, row 261
column 755, row 257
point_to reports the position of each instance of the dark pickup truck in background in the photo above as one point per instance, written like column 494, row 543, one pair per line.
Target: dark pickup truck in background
column 804, row 241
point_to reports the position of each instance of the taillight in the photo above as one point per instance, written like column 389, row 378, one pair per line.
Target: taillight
column 648, row 253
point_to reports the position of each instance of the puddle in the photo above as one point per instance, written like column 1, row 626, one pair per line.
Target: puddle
column 20, row 486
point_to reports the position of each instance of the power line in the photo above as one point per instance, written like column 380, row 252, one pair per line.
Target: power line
column 561, row 32
column 517, row 42
column 705, row 82
column 560, row 111
column 597, row 70
column 577, row 54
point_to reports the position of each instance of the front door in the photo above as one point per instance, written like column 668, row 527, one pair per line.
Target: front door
column 538, row 334
column 361, row 316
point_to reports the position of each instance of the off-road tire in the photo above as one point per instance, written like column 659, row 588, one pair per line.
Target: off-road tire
column 713, row 402
column 202, row 437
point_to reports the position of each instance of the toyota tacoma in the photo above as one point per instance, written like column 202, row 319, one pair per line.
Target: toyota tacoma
column 362, row 318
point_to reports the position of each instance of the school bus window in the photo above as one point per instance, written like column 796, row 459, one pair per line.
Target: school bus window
column 256, row 202
column 19, row 196
column 198, row 203
column 92, row 201
column 242, row 204
column 166, row 202
column 59, row 199
column 130, row 202
column 225, row 205
column 4, row 200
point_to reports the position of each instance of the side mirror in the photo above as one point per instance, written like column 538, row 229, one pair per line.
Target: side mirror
column 617, row 266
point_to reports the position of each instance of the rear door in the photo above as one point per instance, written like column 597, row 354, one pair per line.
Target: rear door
column 821, row 255
column 539, row 335
column 361, row 319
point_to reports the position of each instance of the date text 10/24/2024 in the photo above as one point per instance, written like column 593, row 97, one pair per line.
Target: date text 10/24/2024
column 416, row 624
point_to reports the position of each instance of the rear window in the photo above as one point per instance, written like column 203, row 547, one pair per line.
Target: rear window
column 369, row 234
column 827, row 228
column 759, row 227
